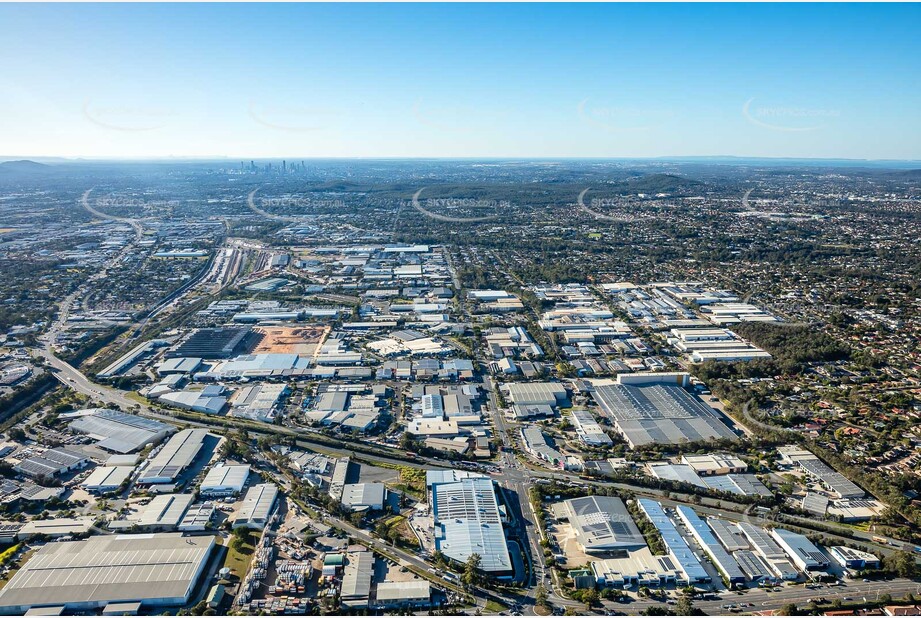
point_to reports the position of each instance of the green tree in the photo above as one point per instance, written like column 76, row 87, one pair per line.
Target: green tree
column 789, row 609
column 590, row 598
column 471, row 575
column 540, row 596
column 901, row 563
column 238, row 538
column 685, row 606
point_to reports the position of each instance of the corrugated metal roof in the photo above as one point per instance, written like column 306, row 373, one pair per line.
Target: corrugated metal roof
column 108, row 569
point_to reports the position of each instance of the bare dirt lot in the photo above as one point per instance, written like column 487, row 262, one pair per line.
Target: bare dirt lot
column 566, row 538
column 302, row 340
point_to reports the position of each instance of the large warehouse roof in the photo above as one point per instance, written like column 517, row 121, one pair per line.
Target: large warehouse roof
column 257, row 504
column 156, row 569
column 120, row 432
column 212, row 343
column 602, row 523
column 51, row 463
column 707, row 540
column 533, row 393
column 174, row 457
column 804, row 553
column 107, row 478
column 222, row 479
column 165, row 510
column 356, row 578
column 467, row 521
column 660, row 414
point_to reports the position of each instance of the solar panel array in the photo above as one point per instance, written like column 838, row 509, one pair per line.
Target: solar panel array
column 728, row 534
column 703, row 535
column 50, row 463
column 798, row 546
column 753, row 565
column 677, row 547
column 212, row 343
column 602, row 522
column 742, row 484
column 834, row 481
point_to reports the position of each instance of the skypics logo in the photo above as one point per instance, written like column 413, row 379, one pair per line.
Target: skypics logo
column 457, row 204
column 787, row 118
column 128, row 118
column 287, row 202
column 118, row 203
column 291, row 118
column 600, row 203
column 621, row 118
column 299, row 202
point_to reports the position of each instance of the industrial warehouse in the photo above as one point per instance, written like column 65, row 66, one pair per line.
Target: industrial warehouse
column 602, row 524
column 257, row 506
column 149, row 571
column 604, row 462
column 658, row 412
column 467, row 521
column 174, row 457
column 600, row 531
column 119, row 432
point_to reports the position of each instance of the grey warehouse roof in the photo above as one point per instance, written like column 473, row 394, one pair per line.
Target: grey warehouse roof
column 119, row 432
column 602, row 523
column 257, row 504
column 467, row 521
column 659, row 413
column 225, row 477
column 533, row 393
column 174, row 457
column 151, row 568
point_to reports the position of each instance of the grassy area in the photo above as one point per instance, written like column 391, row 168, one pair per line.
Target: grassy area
column 494, row 607
column 25, row 558
column 400, row 525
column 8, row 553
column 135, row 396
column 238, row 559
column 412, row 481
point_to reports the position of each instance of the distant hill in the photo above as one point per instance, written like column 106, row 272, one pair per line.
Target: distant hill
column 24, row 166
column 906, row 174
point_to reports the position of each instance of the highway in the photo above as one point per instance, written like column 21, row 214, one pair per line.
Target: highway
column 513, row 476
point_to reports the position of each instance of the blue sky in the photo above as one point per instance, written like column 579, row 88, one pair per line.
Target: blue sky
column 461, row 80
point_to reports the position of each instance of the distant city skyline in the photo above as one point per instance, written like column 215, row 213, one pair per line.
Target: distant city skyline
column 461, row 81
